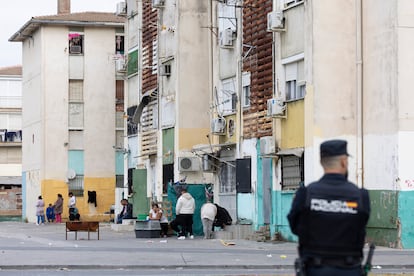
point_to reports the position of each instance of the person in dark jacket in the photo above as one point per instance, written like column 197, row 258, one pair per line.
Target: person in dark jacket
column 223, row 217
column 330, row 216
column 126, row 212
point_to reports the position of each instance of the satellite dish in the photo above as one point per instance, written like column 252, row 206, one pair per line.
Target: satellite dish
column 71, row 174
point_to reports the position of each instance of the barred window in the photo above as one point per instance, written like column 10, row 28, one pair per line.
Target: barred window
column 227, row 177
column 292, row 172
column 76, row 185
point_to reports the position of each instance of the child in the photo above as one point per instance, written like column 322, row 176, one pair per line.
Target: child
column 50, row 213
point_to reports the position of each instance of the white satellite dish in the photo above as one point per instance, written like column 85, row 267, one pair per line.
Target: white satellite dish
column 71, row 174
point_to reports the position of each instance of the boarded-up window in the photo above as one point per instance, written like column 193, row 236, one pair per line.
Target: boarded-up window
column 75, row 104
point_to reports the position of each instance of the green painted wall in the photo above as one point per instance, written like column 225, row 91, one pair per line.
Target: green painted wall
column 198, row 192
column 391, row 214
column 132, row 62
column 382, row 225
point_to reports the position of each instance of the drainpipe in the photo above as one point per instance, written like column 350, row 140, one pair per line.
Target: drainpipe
column 239, row 77
column 359, row 95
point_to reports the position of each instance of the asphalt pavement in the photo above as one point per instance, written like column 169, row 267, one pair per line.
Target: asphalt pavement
column 25, row 246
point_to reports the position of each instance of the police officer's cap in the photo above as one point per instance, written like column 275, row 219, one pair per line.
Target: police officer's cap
column 333, row 148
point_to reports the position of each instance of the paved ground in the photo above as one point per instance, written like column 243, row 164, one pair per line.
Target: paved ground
column 28, row 246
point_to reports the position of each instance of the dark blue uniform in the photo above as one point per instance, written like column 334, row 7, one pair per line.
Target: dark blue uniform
column 330, row 217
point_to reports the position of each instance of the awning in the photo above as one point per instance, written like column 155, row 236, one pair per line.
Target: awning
column 295, row 151
column 146, row 99
column 205, row 147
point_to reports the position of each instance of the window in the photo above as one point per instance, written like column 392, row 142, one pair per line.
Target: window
column 294, row 80
column 292, row 172
column 228, row 98
column 288, row 3
column 132, row 127
column 227, row 177
column 76, row 185
column 75, row 43
column 119, row 44
column 119, row 104
column 246, row 89
column 75, row 104
column 119, row 181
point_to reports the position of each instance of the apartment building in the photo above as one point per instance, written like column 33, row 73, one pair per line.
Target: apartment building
column 11, row 141
column 72, row 110
column 343, row 70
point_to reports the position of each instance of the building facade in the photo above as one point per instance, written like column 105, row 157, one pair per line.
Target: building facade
column 72, row 110
column 343, row 69
column 11, row 141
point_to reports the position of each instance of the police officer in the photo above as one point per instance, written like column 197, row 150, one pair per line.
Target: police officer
column 330, row 216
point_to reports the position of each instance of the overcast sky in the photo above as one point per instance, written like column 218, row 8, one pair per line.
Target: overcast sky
column 15, row 13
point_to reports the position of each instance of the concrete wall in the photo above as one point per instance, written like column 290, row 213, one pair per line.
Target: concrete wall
column 192, row 115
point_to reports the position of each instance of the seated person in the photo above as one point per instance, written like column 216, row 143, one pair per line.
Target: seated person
column 50, row 213
column 126, row 212
column 156, row 214
column 74, row 214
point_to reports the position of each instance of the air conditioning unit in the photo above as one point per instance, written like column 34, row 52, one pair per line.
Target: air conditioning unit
column 226, row 38
column 275, row 21
column 275, row 107
column 267, row 145
column 188, row 164
column 120, row 65
column 121, row 8
column 165, row 70
column 157, row 3
column 218, row 126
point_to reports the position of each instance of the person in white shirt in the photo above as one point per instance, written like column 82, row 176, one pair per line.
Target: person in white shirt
column 184, row 211
column 208, row 214
column 156, row 214
column 73, row 212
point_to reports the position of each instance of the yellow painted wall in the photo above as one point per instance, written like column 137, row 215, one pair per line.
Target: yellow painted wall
column 293, row 128
column 105, row 194
column 188, row 137
column 50, row 188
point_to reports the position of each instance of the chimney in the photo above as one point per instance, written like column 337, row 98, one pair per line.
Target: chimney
column 63, row 6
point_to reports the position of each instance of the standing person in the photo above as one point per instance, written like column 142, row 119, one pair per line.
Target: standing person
column 50, row 213
column 58, row 206
column 330, row 216
column 184, row 211
column 72, row 206
column 126, row 212
column 208, row 214
column 156, row 214
column 40, row 211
